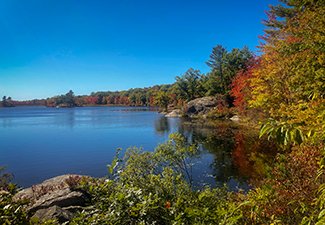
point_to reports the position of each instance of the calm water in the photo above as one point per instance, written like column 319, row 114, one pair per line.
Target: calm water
column 37, row 143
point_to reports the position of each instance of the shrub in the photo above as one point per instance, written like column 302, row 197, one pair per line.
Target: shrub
column 155, row 188
column 288, row 195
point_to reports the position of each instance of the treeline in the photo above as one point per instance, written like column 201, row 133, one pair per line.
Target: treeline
column 34, row 102
column 192, row 84
column 224, row 65
column 286, row 85
column 131, row 97
column 9, row 102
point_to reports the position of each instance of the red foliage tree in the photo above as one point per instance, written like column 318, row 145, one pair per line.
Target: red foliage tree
column 240, row 87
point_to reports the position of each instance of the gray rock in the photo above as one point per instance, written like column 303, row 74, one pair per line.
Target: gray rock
column 204, row 105
column 62, row 198
column 47, row 186
column 54, row 212
column 174, row 113
column 57, row 191
column 74, row 209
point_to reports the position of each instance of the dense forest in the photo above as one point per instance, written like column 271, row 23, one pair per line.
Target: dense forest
column 192, row 84
column 284, row 88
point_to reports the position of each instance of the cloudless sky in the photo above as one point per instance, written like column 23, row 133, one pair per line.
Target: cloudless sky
column 48, row 47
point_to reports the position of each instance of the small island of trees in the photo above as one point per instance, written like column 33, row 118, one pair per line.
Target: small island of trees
column 7, row 102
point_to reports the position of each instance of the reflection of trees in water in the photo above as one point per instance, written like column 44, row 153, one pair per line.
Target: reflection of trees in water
column 237, row 152
column 6, row 122
column 220, row 143
column 239, row 156
column 251, row 154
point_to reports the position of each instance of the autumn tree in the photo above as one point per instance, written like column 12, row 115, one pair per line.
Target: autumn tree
column 162, row 100
column 240, row 86
column 289, row 84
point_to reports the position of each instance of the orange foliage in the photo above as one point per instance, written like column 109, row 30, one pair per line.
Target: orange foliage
column 240, row 87
column 295, row 184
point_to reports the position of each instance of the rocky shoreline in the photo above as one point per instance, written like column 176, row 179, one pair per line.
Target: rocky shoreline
column 55, row 198
column 206, row 107
column 60, row 198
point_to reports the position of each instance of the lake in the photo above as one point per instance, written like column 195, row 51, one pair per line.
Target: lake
column 37, row 143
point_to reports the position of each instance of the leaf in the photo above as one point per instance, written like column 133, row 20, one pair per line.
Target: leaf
column 264, row 129
column 321, row 214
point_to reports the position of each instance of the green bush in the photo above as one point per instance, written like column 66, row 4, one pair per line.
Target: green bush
column 156, row 188
column 10, row 212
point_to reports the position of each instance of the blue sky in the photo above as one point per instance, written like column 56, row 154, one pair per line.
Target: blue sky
column 48, row 47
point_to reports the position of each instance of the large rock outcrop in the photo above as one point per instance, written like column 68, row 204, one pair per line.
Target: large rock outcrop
column 55, row 198
column 203, row 105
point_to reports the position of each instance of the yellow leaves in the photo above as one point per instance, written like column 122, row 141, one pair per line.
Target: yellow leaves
column 289, row 83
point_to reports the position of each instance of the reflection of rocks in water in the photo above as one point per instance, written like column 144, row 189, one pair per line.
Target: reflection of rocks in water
column 162, row 125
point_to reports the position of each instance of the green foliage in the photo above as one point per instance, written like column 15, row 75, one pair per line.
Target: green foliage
column 283, row 133
column 10, row 212
column 189, row 86
column 288, row 84
column 224, row 66
column 13, row 212
column 162, row 99
column 5, row 181
column 177, row 154
column 192, row 84
column 220, row 112
column 67, row 100
column 155, row 188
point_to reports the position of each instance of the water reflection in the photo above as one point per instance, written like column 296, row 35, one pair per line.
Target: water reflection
column 65, row 118
column 162, row 125
column 37, row 143
column 236, row 153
